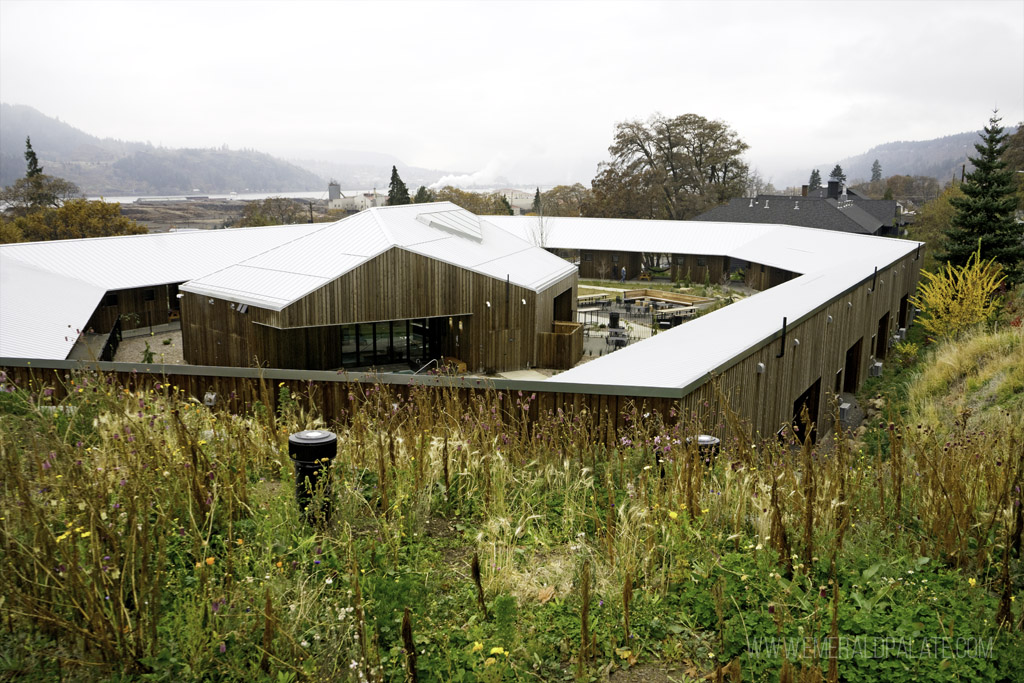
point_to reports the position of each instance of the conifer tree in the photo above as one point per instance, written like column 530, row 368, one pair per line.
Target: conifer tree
column 34, row 169
column 536, row 202
column 398, row 193
column 837, row 174
column 815, row 182
column 985, row 214
column 876, row 171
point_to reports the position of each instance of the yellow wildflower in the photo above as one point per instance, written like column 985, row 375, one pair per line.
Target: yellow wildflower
column 673, row 514
column 477, row 646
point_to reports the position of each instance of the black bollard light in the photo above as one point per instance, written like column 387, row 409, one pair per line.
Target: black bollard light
column 311, row 452
column 707, row 447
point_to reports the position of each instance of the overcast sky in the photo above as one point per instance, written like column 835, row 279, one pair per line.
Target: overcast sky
column 529, row 90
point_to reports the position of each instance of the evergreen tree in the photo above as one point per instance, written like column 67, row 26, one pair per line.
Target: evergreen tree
column 398, row 193
column 423, row 195
column 876, row 171
column 36, row 190
column 34, row 169
column 504, row 208
column 837, row 174
column 536, row 202
column 986, row 211
column 815, row 182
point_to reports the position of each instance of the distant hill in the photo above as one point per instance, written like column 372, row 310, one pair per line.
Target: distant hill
column 115, row 167
column 941, row 158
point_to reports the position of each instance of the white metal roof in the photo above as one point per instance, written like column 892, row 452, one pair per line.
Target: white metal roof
column 620, row 234
column 441, row 231
column 42, row 312
column 829, row 263
column 140, row 260
column 49, row 290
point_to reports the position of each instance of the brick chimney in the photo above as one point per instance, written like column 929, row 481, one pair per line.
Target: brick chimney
column 803, row 190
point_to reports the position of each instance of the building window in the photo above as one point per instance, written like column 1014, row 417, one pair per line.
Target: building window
column 149, row 295
column 615, row 258
column 110, row 299
column 588, row 256
column 679, row 259
column 702, row 261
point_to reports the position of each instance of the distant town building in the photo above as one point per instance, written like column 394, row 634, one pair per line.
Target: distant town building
column 360, row 201
column 521, row 201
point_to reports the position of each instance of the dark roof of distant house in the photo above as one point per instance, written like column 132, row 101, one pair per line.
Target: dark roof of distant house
column 807, row 212
column 882, row 209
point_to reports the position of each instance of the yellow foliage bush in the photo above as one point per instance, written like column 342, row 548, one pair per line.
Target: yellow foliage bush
column 957, row 298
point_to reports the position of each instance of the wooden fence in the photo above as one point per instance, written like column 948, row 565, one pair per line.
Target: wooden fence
column 337, row 395
column 562, row 347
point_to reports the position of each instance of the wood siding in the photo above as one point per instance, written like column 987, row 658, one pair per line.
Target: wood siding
column 766, row 398
column 761, row 277
column 713, row 269
column 397, row 285
column 138, row 307
column 561, row 348
column 763, row 401
column 763, row 398
column 608, row 265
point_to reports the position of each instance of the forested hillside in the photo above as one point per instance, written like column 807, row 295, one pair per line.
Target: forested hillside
column 115, row 167
column 941, row 158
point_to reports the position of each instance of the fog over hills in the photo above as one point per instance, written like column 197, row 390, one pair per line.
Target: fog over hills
column 941, row 158
column 105, row 166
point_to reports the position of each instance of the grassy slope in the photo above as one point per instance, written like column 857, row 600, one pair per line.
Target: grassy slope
column 177, row 576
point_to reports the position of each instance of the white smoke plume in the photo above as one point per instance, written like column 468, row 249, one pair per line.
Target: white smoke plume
column 488, row 176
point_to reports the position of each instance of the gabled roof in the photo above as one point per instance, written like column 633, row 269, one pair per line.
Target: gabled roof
column 807, row 212
column 828, row 263
column 441, row 231
column 50, row 289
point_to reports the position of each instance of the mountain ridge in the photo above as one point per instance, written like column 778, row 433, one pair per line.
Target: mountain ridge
column 112, row 167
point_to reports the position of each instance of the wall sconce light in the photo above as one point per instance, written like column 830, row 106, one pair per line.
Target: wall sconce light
column 829, row 320
column 849, row 304
column 524, row 302
column 488, row 304
column 760, row 368
column 796, row 342
column 211, row 302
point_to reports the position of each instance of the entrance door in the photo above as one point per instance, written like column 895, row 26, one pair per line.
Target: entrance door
column 882, row 339
column 809, row 401
column 851, row 370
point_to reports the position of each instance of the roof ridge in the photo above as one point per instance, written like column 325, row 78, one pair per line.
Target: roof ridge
column 380, row 224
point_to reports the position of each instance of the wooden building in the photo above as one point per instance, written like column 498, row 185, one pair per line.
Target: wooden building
column 830, row 305
column 52, row 293
column 136, row 308
column 393, row 285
